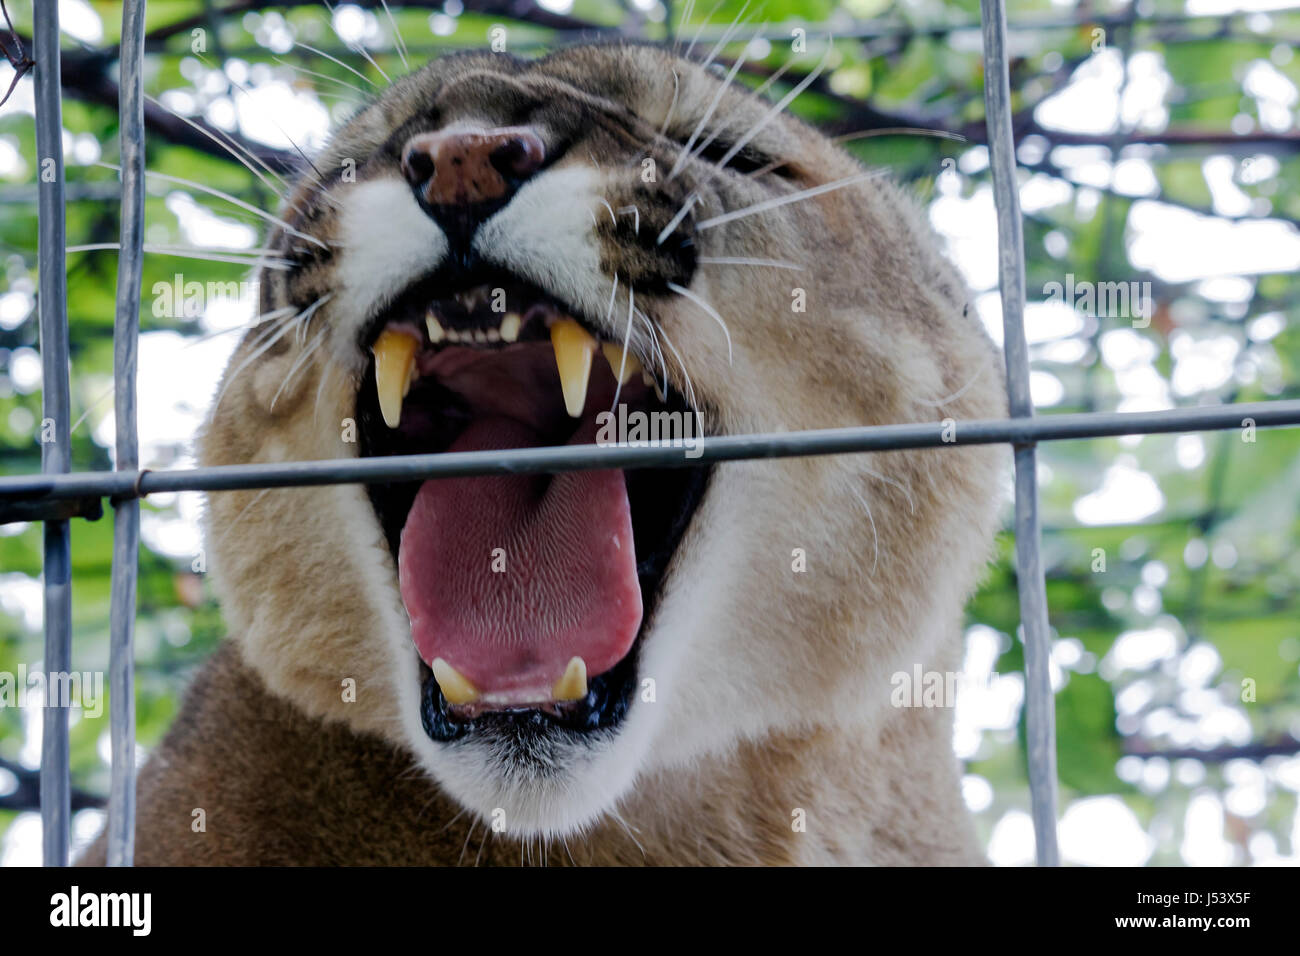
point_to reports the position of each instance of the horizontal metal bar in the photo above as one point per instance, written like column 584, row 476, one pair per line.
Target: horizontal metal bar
column 831, row 441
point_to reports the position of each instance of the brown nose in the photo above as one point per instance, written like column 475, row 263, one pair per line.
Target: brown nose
column 471, row 167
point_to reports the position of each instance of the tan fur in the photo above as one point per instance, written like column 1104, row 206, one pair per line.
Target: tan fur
column 773, row 687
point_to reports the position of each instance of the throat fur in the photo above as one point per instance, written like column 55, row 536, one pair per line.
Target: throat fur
column 257, row 763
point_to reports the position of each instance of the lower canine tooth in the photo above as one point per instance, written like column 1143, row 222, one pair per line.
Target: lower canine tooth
column 455, row 685
column 573, row 347
column 573, row 685
column 394, row 362
column 614, row 356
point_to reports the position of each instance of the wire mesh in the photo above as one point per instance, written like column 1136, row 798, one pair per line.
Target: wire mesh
column 128, row 483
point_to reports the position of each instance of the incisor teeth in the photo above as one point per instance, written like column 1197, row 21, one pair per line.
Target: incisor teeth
column 455, row 686
column 614, row 356
column 510, row 326
column 573, row 347
column 394, row 362
column 573, row 685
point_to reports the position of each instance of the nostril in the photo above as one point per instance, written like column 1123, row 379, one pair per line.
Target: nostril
column 518, row 156
column 417, row 166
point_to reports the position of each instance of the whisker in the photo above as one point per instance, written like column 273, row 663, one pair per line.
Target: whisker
column 875, row 536
column 799, row 196
column 899, row 485
column 398, row 42
column 627, row 338
column 262, row 213
column 297, row 149
column 92, row 406
column 335, row 59
column 658, row 352
column 250, row 324
column 355, row 49
column 746, row 261
column 636, row 213
column 700, row 32
column 686, row 376
column 230, row 145
column 181, row 252
column 713, row 313
column 681, row 22
column 685, row 153
column 270, row 340
column 727, row 34
column 461, row 859
column 957, row 394
column 298, row 363
column 323, row 76
column 899, row 131
column 604, row 202
column 225, row 530
column 781, row 104
column 691, row 200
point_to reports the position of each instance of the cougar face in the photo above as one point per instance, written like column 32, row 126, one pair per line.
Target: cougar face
column 490, row 256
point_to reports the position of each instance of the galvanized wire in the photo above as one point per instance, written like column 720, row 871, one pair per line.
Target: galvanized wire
column 1040, row 706
column 948, row 433
column 126, row 515
column 128, row 483
column 55, row 431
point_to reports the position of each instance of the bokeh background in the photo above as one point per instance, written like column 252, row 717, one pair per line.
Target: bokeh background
column 1158, row 144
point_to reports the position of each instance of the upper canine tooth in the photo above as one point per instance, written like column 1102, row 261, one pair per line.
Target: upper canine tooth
column 573, row 347
column 394, row 363
column 455, row 685
column 614, row 356
column 573, row 685
column 510, row 326
column 436, row 332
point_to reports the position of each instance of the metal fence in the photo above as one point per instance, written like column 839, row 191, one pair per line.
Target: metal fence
column 55, row 495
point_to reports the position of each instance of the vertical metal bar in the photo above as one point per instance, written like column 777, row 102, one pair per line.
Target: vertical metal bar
column 1040, row 714
column 126, row 514
column 55, row 429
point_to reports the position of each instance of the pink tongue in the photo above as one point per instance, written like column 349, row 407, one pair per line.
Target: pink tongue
column 509, row 578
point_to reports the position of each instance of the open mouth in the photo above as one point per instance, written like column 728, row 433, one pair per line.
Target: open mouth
column 527, row 594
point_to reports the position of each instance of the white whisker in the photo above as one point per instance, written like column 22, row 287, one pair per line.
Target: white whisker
column 681, row 22
column 627, row 338
column 685, row 153
column 700, row 32
column 230, row 146
column 874, row 534
column 713, row 313
column 727, row 34
column 355, row 72
column 270, row 340
column 957, row 394
column 182, row 252
column 323, row 76
column 298, row 363
column 781, row 104
column 803, row 194
column 746, row 261
column 686, row 376
column 691, row 200
column 397, row 37
column 262, row 213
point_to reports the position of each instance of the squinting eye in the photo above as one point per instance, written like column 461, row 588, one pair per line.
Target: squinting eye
column 744, row 161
